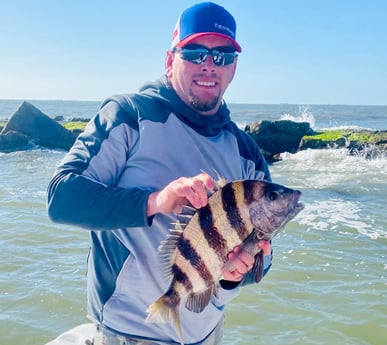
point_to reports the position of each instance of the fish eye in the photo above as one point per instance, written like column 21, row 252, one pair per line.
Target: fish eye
column 272, row 196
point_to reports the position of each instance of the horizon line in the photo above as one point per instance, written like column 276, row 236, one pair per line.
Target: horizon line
column 229, row 103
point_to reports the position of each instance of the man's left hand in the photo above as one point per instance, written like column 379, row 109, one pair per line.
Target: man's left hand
column 242, row 261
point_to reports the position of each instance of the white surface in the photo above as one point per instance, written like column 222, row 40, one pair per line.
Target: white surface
column 75, row 336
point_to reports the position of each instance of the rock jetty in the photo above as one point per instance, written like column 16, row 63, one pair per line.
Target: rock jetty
column 29, row 127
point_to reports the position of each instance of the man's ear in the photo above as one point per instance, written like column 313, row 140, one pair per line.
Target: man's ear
column 168, row 63
column 233, row 72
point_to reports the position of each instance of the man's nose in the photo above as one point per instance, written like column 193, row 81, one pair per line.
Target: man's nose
column 208, row 64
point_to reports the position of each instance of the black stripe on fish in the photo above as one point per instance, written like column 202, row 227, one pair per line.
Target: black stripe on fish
column 171, row 298
column 214, row 239
column 190, row 254
column 248, row 189
column 181, row 277
column 231, row 207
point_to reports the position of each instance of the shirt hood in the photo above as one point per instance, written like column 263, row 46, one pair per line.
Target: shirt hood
column 208, row 125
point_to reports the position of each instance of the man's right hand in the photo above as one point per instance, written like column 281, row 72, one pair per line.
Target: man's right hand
column 182, row 191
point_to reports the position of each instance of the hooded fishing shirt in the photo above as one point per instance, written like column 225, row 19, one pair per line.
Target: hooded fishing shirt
column 137, row 144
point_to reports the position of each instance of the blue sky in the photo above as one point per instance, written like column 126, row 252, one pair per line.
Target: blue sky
column 294, row 51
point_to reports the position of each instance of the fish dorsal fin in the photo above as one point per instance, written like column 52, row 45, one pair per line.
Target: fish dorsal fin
column 184, row 217
column 187, row 210
column 166, row 251
column 196, row 302
column 220, row 181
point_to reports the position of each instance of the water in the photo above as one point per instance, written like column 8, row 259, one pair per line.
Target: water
column 328, row 283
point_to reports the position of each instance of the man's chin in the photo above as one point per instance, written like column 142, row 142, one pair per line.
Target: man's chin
column 205, row 106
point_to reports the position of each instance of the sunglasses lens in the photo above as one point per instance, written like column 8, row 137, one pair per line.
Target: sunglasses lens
column 218, row 57
column 196, row 56
column 199, row 55
column 223, row 58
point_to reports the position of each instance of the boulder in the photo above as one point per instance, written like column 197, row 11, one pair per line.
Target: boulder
column 43, row 130
column 12, row 140
column 276, row 137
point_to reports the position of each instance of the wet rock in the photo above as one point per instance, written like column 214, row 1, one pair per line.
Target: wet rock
column 276, row 137
column 12, row 141
column 43, row 130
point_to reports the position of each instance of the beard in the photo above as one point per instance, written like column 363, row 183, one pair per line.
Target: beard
column 203, row 105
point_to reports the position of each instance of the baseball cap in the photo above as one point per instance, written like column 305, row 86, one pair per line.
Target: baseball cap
column 202, row 19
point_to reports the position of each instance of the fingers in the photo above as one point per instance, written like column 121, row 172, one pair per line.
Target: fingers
column 265, row 247
column 240, row 261
column 182, row 191
column 194, row 191
column 234, row 276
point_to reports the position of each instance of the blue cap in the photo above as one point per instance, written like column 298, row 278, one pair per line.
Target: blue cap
column 202, row 19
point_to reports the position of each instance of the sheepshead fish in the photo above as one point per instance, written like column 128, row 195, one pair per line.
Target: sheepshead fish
column 238, row 213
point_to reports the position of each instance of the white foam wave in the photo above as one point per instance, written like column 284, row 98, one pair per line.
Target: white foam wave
column 341, row 192
column 304, row 115
column 340, row 216
column 346, row 127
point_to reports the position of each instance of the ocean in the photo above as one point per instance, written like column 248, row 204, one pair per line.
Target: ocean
column 328, row 283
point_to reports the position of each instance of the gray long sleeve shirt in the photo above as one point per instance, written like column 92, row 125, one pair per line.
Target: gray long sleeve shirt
column 134, row 145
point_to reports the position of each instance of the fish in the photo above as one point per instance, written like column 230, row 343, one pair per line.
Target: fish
column 192, row 256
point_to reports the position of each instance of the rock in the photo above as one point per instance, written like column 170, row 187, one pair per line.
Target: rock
column 319, row 144
column 275, row 137
column 31, row 122
column 12, row 140
column 367, row 143
column 79, row 119
column 59, row 118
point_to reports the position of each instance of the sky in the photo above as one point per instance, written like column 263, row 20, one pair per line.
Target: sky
column 293, row 51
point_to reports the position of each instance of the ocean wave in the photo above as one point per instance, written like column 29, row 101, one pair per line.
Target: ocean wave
column 337, row 215
column 304, row 115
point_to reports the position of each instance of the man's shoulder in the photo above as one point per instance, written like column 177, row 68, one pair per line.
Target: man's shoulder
column 140, row 106
column 239, row 133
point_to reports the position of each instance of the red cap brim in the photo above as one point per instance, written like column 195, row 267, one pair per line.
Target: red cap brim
column 188, row 39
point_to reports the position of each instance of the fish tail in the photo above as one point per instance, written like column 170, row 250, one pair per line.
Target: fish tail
column 164, row 310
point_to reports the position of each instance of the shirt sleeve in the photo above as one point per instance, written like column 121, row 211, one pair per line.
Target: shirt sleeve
column 82, row 191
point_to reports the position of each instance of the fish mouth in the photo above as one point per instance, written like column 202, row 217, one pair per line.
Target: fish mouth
column 296, row 209
column 298, row 206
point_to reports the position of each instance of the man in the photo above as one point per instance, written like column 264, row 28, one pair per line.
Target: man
column 139, row 160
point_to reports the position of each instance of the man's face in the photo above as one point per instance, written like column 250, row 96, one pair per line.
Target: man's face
column 201, row 86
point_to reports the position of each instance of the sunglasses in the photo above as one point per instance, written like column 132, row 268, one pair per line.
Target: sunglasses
column 197, row 54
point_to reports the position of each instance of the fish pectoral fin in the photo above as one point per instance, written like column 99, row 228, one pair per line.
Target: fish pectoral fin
column 196, row 302
column 257, row 269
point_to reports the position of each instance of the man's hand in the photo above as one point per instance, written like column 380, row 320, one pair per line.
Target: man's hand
column 183, row 191
column 242, row 261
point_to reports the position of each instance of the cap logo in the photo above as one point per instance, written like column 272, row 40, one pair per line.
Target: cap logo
column 224, row 28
